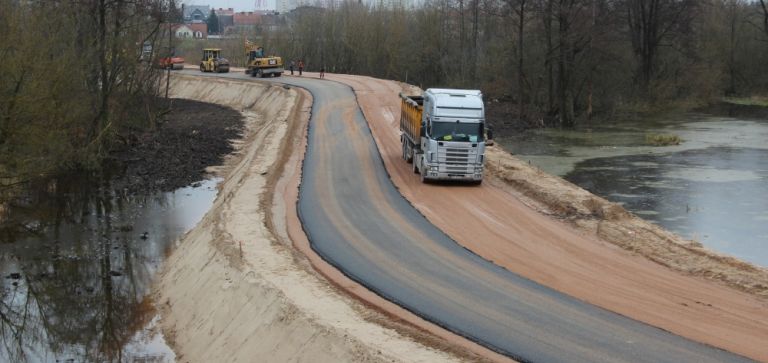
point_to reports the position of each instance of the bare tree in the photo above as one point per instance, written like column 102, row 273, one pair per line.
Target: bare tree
column 765, row 15
column 650, row 23
column 520, row 12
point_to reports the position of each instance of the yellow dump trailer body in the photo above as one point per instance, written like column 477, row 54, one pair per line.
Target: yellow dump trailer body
column 411, row 110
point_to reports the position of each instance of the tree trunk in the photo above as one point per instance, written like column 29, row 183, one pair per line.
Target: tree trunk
column 765, row 15
column 591, row 60
column 475, row 31
column 564, row 93
column 520, row 59
column 101, row 37
column 732, row 50
column 548, row 57
column 462, row 43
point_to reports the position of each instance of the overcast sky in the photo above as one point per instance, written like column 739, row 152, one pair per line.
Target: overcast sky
column 239, row 5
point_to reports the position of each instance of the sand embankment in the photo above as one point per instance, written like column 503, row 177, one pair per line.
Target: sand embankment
column 234, row 289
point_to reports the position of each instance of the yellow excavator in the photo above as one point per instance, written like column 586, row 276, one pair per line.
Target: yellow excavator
column 259, row 65
column 213, row 62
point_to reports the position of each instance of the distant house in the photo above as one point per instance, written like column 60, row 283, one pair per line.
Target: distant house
column 193, row 30
column 272, row 22
column 247, row 18
column 224, row 12
column 226, row 19
column 182, row 31
column 245, row 21
column 199, row 30
column 196, row 13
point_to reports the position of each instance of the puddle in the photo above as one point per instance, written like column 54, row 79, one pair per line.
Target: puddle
column 77, row 266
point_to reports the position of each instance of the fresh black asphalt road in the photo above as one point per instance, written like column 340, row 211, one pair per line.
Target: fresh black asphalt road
column 357, row 220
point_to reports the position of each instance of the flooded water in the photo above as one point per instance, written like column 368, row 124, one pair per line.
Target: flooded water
column 712, row 188
column 78, row 260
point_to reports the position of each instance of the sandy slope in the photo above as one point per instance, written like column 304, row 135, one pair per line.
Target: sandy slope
column 494, row 221
column 234, row 291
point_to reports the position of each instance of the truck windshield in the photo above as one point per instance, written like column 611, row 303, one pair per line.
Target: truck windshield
column 457, row 131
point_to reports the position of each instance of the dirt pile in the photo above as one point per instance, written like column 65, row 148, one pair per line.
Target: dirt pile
column 612, row 223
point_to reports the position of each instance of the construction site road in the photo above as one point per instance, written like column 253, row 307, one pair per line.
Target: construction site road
column 356, row 219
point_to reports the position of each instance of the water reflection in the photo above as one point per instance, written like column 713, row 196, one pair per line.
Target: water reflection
column 711, row 188
column 714, row 195
column 78, row 260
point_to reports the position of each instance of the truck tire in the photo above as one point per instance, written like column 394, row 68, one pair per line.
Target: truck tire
column 202, row 68
column 278, row 74
column 408, row 151
column 414, row 165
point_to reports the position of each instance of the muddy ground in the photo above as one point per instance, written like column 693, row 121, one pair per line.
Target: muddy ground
column 193, row 136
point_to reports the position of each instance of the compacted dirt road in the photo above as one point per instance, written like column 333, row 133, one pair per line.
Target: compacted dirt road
column 493, row 222
column 357, row 220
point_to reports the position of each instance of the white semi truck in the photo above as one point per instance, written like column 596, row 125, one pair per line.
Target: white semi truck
column 443, row 134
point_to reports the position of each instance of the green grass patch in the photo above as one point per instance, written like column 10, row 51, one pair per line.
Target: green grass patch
column 761, row 101
column 662, row 139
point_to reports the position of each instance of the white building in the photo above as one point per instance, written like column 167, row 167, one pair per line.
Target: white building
column 285, row 6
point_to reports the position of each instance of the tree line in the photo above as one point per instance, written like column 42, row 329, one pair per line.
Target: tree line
column 78, row 72
column 75, row 73
column 556, row 60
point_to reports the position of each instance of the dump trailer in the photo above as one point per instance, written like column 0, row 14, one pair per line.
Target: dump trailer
column 443, row 134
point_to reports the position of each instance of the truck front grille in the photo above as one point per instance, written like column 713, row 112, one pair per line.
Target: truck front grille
column 459, row 161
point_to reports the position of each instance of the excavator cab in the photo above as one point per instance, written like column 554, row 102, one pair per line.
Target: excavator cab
column 213, row 62
column 255, row 53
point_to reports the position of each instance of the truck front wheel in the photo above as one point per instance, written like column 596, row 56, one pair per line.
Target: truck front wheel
column 415, row 164
column 408, row 151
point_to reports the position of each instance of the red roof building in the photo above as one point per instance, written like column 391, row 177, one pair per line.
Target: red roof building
column 199, row 30
column 224, row 12
column 247, row 18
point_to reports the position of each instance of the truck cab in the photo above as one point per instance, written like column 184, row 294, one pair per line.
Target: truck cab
column 450, row 144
